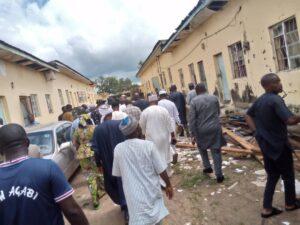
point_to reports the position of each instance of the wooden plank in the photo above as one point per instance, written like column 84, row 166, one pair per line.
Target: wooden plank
column 241, row 141
column 236, row 150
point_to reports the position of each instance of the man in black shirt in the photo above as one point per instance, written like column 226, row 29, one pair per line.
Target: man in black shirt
column 269, row 117
column 140, row 102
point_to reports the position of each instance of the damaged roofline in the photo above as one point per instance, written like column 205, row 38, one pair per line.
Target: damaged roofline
column 214, row 5
column 59, row 63
column 158, row 46
column 21, row 53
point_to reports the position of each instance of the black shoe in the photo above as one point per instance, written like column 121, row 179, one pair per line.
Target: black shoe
column 296, row 206
column 274, row 212
column 220, row 179
column 208, row 170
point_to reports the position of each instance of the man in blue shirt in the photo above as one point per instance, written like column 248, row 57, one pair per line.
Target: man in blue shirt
column 269, row 117
column 32, row 191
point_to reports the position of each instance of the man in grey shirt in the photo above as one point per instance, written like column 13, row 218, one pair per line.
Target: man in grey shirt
column 206, row 129
column 191, row 94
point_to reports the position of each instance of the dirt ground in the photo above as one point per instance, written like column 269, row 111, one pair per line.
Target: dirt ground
column 199, row 200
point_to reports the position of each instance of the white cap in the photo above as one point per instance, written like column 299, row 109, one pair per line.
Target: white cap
column 152, row 98
column 162, row 92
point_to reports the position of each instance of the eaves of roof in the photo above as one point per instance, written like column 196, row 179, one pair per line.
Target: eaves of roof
column 59, row 65
column 214, row 5
column 21, row 57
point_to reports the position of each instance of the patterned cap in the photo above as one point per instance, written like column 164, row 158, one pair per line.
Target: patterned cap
column 128, row 125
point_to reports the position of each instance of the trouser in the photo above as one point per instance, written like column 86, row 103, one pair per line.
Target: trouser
column 283, row 166
column 123, row 203
column 186, row 129
column 94, row 179
column 217, row 159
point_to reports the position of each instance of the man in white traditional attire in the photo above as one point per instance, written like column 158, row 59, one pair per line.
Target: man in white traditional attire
column 140, row 166
column 157, row 127
column 171, row 107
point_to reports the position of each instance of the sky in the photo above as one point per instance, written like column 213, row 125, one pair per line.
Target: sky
column 95, row 37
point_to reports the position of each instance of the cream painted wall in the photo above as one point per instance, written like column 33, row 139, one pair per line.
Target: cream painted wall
column 251, row 24
column 27, row 82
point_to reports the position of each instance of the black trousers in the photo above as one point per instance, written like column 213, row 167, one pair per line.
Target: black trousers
column 282, row 167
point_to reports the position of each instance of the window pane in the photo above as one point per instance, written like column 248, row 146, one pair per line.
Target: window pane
column 290, row 25
column 49, row 103
column 295, row 62
column 170, row 76
column 277, row 30
column 61, row 97
column 34, row 105
column 238, row 61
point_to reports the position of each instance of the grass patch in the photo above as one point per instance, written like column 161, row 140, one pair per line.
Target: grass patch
column 189, row 180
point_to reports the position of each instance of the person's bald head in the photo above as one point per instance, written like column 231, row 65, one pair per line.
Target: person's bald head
column 200, row 89
column 12, row 138
column 271, row 83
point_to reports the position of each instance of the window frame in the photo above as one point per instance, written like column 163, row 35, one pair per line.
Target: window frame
column 286, row 46
column 235, row 54
column 170, row 75
column 192, row 73
column 181, row 78
column 49, row 103
column 202, row 76
column 34, row 101
column 61, row 97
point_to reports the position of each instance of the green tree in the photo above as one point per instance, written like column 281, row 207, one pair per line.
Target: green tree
column 112, row 85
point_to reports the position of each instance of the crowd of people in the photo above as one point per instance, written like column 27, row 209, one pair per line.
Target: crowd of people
column 125, row 148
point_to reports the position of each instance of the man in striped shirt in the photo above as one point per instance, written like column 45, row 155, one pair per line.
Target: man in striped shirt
column 139, row 165
column 32, row 191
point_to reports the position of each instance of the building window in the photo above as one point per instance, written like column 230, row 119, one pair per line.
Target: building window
column 287, row 45
column 68, row 97
column 170, row 76
column 49, row 103
column 61, row 97
column 3, row 109
column 192, row 73
column 237, row 60
column 161, row 80
column 202, row 73
column 81, row 96
column 164, row 78
column 181, row 78
column 35, row 105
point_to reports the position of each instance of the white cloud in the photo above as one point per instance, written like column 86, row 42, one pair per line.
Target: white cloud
column 94, row 36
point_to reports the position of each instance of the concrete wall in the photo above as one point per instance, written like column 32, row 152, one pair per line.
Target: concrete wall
column 26, row 82
column 251, row 24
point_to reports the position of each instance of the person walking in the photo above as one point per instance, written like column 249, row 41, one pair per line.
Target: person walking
column 179, row 100
column 95, row 114
column 140, row 166
column 106, row 136
column 60, row 117
column 82, row 141
column 206, row 129
column 268, row 118
column 170, row 107
column 32, row 191
column 157, row 126
column 132, row 110
column 191, row 94
column 140, row 102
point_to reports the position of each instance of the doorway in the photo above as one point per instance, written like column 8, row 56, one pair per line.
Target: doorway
column 3, row 110
column 222, row 82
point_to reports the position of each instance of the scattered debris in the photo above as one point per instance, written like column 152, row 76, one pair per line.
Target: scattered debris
column 232, row 186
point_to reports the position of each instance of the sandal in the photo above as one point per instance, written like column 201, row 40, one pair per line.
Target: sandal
column 274, row 212
column 297, row 206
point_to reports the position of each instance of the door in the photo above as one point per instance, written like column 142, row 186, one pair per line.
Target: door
column 26, row 109
column 222, row 79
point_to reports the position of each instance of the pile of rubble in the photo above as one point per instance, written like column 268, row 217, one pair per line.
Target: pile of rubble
column 241, row 142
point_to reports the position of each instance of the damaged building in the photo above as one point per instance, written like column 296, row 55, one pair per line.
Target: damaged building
column 31, row 86
column 229, row 45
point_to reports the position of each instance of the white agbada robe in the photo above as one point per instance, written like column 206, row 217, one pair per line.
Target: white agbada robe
column 173, row 111
column 156, row 125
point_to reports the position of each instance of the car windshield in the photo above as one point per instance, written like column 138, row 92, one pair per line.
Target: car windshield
column 44, row 140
